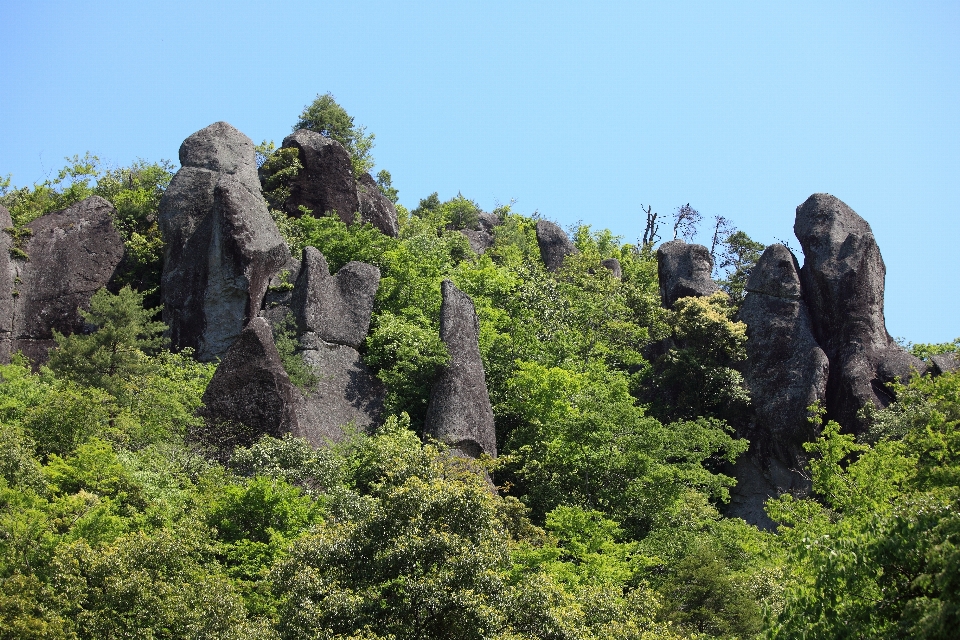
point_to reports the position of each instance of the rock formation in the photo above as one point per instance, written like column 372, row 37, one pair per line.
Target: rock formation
column 333, row 319
column 944, row 363
column 346, row 392
column 325, row 184
column 684, row 270
column 336, row 308
column 554, row 244
column 482, row 237
column 785, row 372
column 459, row 412
column 250, row 394
column 221, row 246
column 70, row 255
column 375, row 207
column 843, row 284
column 613, row 266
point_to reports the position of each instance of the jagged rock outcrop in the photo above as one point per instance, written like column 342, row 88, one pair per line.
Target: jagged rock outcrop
column 250, row 394
column 944, row 363
column 786, row 372
column 333, row 318
column 843, row 284
column 613, row 266
column 684, row 270
column 336, row 308
column 325, row 184
column 459, row 412
column 221, row 247
column 70, row 255
column 482, row 237
column 345, row 392
column 554, row 244
column 375, row 207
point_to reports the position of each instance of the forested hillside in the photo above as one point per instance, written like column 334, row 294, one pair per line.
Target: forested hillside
column 618, row 423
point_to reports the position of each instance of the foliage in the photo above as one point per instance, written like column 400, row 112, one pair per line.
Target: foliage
column 385, row 184
column 878, row 558
column 285, row 338
column 925, row 350
column 279, row 168
column 697, row 375
column 738, row 256
column 582, row 441
column 124, row 333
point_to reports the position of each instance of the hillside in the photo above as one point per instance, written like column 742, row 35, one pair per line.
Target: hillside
column 255, row 397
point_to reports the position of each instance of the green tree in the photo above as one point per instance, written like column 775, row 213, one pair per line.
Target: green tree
column 117, row 349
column 325, row 116
column 385, row 184
column 737, row 258
column 697, row 376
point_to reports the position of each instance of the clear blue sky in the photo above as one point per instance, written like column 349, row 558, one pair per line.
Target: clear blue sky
column 581, row 113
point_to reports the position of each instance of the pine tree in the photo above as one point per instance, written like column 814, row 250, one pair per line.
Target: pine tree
column 117, row 349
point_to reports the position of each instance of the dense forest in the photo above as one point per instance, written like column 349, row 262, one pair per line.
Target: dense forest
column 617, row 424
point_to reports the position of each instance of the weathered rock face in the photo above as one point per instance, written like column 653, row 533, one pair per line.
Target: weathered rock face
column 684, row 270
column 786, row 371
column 482, row 238
column 613, row 266
column 944, row 363
column 72, row 253
column 325, row 183
column 459, row 412
column 332, row 318
column 346, row 392
column 843, row 283
column 554, row 244
column 250, row 394
column 221, row 245
column 336, row 308
column 375, row 208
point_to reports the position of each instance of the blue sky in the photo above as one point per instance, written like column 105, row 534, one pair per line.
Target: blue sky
column 581, row 113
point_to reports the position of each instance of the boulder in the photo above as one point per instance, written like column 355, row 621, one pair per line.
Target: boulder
column 6, row 286
column 483, row 236
column 684, row 270
column 613, row 266
column 843, row 285
column 221, row 247
column 786, row 372
column 375, row 207
column 336, row 308
column 346, row 392
column 71, row 254
column 459, row 412
column 554, row 244
column 325, row 183
column 944, row 363
column 250, row 394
